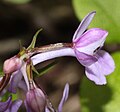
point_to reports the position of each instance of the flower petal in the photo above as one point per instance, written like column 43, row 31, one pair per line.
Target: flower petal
column 106, row 62
column 104, row 66
column 64, row 98
column 91, row 40
column 85, row 59
column 5, row 105
column 47, row 110
column 95, row 74
column 22, row 85
column 27, row 108
column 15, row 105
column 83, row 25
column 23, row 70
column 17, row 76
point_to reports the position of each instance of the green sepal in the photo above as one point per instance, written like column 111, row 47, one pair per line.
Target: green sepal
column 34, row 69
column 45, row 69
column 32, row 45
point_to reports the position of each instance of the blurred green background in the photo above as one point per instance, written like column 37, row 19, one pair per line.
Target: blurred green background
column 20, row 19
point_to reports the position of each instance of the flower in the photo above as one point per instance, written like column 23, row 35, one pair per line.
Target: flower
column 37, row 101
column 35, row 98
column 10, row 106
column 17, row 82
column 86, row 47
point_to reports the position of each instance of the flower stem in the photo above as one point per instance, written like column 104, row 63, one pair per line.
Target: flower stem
column 50, row 47
column 54, row 53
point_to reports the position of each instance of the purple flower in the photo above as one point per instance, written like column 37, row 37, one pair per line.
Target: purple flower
column 10, row 106
column 37, row 101
column 86, row 47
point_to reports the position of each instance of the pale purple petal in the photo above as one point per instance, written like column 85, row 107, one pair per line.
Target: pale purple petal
column 85, row 59
column 64, row 98
column 47, row 110
column 23, row 70
column 90, row 36
column 17, row 76
column 15, row 105
column 106, row 62
column 91, row 40
column 5, row 105
column 83, row 26
column 104, row 66
column 94, row 73
column 22, row 85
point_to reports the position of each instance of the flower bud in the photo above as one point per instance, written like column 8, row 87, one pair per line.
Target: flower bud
column 36, row 100
column 11, row 65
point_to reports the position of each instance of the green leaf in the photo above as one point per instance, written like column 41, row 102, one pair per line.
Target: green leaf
column 17, row 1
column 107, row 16
column 32, row 45
column 104, row 98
